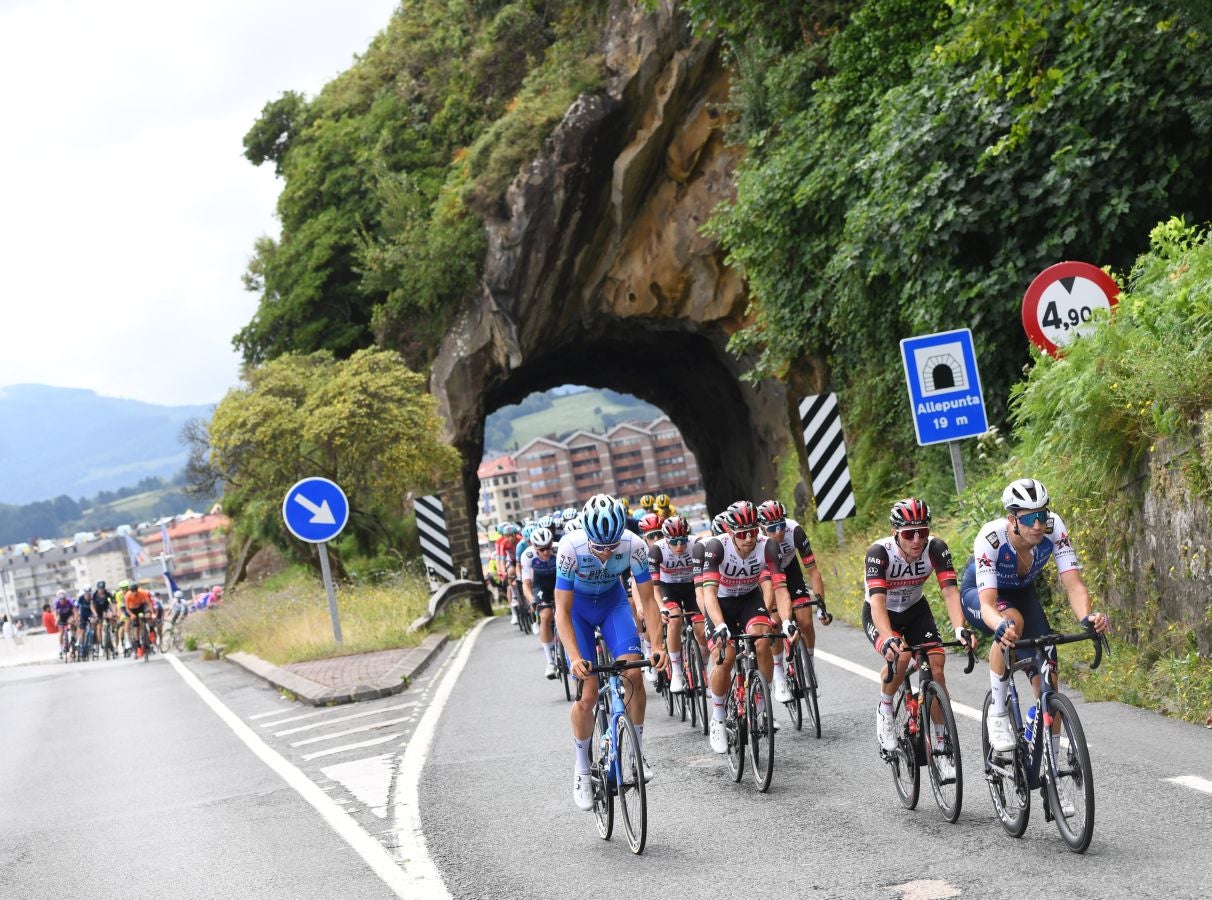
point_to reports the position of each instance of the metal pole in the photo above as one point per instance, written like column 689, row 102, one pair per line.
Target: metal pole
column 957, row 463
column 841, row 537
column 332, row 594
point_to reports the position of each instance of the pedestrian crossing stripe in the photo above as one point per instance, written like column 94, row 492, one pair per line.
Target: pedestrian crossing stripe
column 831, row 486
column 435, row 542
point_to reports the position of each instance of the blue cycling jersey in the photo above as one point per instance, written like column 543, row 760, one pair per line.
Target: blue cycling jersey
column 578, row 570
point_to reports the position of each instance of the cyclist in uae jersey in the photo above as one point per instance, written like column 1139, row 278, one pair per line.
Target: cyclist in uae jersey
column 589, row 594
column 649, row 528
column 740, row 578
column 672, row 565
column 538, row 565
column 896, row 614
column 998, row 588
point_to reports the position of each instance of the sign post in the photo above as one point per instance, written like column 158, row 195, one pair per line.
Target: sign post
column 945, row 392
column 316, row 510
column 1061, row 301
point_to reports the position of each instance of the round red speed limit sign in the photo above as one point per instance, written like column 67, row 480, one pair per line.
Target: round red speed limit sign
column 1061, row 300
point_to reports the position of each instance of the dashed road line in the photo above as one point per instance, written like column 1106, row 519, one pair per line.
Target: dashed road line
column 1192, row 781
column 275, row 712
column 348, row 731
column 877, row 676
column 360, row 715
column 332, row 751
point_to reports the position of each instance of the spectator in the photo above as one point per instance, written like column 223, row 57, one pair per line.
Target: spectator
column 9, row 634
column 48, row 619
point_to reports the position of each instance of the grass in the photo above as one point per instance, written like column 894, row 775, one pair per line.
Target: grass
column 567, row 413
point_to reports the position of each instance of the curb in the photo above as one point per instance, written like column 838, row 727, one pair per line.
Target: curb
column 311, row 692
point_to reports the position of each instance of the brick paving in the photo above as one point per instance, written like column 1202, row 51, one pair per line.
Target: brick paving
column 348, row 671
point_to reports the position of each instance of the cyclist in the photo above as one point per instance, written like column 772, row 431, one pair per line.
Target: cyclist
column 589, row 594
column 538, row 565
column 507, row 560
column 85, row 621
column 138, row 604
column 740, row 574
column 65, row 611
column 998, row 589
column 792, row 542
column 896, row 612
column 179, row 609
column 671, row 564
column 663, row 507
column 647, row 502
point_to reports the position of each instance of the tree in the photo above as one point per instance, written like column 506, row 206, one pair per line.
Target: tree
column 365, row 422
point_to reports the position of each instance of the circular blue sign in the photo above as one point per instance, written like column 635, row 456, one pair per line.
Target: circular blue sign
column 315, row 510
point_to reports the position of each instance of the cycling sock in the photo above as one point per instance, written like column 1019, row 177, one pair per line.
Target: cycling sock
column 647, row 647
column 999, row 689
column 582, row 748
column 778, row 667
column 886, row 704
column 940, row 732
column 549, row 650
column 811, row 651
column 675, row 659
column 718, row 702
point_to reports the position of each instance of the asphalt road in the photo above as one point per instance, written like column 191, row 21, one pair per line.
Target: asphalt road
column 498, row 814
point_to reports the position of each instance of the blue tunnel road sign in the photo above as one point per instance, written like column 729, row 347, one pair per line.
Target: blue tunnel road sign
column 944, row 386
column 315, row 510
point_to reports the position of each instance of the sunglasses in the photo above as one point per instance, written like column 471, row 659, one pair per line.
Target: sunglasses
column 912, row 534
column 654, row 535
column 546, row 549
column 776, row 526
column 604, row 548
column 1029, row 519
column 678, row 542
column 746, row 535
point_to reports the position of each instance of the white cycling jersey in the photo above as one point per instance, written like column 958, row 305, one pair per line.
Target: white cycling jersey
column 668, row 566
column 889, row 573
column 734, row 574
column 534, row 566
column 997, row 562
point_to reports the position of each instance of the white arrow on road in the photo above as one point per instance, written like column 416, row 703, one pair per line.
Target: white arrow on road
column 320, row 515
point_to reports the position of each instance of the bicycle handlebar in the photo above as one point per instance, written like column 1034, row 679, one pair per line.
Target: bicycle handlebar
column 1052, row 640
column 752, row 638
column 613, row 668
column 890, row 665
column 816, row 600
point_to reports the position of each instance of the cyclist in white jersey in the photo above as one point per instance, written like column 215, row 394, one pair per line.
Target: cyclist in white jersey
column 538, row 564
column 998, row 588
column 589, row 594
column 896, row 613
column 740, row 578
column 671, row 564
column 648, row 526
column 696, row 551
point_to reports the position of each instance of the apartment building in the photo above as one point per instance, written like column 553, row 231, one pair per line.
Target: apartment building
column 198, row 544
column 32, row 576
column 499, row 498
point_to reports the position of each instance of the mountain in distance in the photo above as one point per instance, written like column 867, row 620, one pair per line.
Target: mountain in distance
column 561, row 409
column 56, row 441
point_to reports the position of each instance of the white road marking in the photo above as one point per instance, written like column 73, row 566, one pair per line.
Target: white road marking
column 346, row 747
column 877, row 675
column 348, row 731
column 422, row 876
column 276, row 712
column 1194, row 782
column 375, row 854
column 367, row 779
column 326, row 711
column 361, row 715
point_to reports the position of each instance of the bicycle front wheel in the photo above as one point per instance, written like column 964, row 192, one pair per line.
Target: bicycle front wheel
column 1070, row 779
column 906, row 776
column 562, row 667
column 633, row 797
column 602, row 778
column 1007, row 781
column 811, row 706
column 734, row 729
column 943, row 761
column 761, row 731
column 699, row 698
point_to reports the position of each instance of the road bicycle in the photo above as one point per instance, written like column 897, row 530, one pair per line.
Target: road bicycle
column 525, row 613
column 914, row 712
column 172, row 634
column 692, row 701
column 801, row 673
column 1063, row 774
column 141, row 642
column 749, row 714
column 109, row 641
column 616, row 767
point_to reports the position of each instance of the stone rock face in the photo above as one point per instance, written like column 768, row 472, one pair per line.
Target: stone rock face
column 599, row 274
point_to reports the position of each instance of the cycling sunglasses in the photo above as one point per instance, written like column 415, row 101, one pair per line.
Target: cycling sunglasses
column 776, row 526
column 604, row 548
column 548, row 548
column 1029, row 519
column 747, row 534
column 678, row 542
column 912, row 534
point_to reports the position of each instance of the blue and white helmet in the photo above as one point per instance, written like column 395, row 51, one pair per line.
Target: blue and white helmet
column 571, row 511
column 541, row 537
column 547, row 521
column 603, row 519
column 527, row 531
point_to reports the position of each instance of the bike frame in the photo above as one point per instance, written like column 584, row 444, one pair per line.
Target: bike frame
column 608, row 709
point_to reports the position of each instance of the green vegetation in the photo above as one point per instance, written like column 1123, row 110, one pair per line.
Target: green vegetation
column 511, row 427
column 390, row 171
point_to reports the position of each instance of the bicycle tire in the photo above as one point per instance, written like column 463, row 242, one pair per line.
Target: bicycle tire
column 1073, row 774
column 811, row 705
column 906, row 775
column 690, row 660
column 1013, row 806
column 562, row 667
column 633, row 794
column 760, row 712
column 662, row 688
column 948, row 796
column 795, row 681
column 603, row 798
column 734, row 730
column 700, row 687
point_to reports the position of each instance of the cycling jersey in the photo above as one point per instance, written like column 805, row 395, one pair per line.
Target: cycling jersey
column 793, row 543
column 579, row 571
column 540, row 572
column 506, row 551
column 997, row 562
column 669, row 567
column 64, row 608
column 84, row 606
column 137, row 599
column 903, row 582
column 102, row 601
column 735, row 575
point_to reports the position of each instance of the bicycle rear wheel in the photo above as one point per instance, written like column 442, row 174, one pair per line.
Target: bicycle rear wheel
column 1007, row 781
column 633, row 797
column 811, row 707
column 948, row 786
column 795, row 681
column 761, row 731
column 906, row 776
column 1070, row 779
column 734, row 729
column 562, row 667
column 699, row 698
column 599, row 772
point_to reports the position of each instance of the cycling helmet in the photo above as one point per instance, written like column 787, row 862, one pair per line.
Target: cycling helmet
column 570, row 512
column 603, row 519
column 178, row 595
column 771, row 511
column 1026, row 493
column 123, row 584
column 909, row 513
column 649, row 523
column 541, row 537
column 647, row 500
column 740, row 516
column 675, row 527
column 101, row 585
column 61, row 595
column 546, row 522
column 717, row 524
column 662, row 500
column 528, row 530
column 571, row 525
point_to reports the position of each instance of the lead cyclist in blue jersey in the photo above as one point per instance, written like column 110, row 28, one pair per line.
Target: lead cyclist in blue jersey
column 998, row 587
column 589, row 594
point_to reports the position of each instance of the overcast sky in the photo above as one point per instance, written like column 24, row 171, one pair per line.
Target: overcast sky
column 128, row 211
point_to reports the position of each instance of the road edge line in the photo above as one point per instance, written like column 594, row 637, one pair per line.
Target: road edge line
column 374, row 854
column 876, row 675
column 412, row 850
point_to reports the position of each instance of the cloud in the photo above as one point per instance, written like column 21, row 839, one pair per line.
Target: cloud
column 129, row 209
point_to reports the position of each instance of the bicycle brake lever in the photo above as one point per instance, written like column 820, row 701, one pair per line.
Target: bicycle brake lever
column 971, row 663
column 890, row 666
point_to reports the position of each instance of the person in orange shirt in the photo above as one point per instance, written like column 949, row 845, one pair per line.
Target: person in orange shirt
column 48, row 619
column 138, row 603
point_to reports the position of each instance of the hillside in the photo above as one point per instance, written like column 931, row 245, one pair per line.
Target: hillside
column 557, row 410
column 56, row 441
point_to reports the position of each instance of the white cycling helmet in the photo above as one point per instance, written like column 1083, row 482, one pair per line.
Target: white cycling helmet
column 1026, row 493
column 571, row 525
column 541, row 537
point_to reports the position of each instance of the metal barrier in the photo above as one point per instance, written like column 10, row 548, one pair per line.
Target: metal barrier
column 453, row 590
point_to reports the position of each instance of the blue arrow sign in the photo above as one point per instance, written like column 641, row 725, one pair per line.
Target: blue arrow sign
column 315, row 510
column 944, row 386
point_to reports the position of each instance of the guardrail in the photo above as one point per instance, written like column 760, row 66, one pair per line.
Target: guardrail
column 452, row 590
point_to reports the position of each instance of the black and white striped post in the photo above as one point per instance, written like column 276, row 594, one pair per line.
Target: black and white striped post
column 822, row 428
column 435, row 540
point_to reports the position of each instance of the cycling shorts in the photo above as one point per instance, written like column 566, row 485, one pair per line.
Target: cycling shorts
column 680, row 595
column 611, row 612
column 64, row 618
column 914, row 625
column 1024, row 599
column 544, row 591
column 740, row 613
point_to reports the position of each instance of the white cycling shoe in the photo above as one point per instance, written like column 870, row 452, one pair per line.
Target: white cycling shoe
column 677, row 682
column 885, row 730
column 550, row 672
column 582, row 790
column 513, row 616
column 1001, row 735
column 782, row 691
column 717, row 737
column 946, row 768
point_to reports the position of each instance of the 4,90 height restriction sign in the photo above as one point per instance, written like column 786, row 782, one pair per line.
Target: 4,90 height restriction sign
column 1060, row 303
